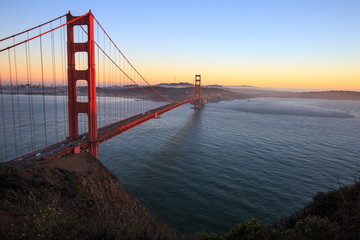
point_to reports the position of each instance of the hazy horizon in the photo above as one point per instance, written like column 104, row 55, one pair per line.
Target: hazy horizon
column 244, row 86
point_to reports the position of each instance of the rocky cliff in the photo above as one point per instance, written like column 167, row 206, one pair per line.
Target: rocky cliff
column 71, row 198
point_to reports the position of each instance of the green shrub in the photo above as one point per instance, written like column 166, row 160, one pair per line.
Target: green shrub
column 314, row 227
column 249, row 230
column 208, row 236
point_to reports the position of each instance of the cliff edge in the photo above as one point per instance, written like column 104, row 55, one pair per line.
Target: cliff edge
column 71, row 198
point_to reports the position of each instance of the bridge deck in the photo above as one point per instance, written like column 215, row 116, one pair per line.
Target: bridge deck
column 81, row 143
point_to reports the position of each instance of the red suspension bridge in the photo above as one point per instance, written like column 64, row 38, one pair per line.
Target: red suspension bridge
column 65, row 87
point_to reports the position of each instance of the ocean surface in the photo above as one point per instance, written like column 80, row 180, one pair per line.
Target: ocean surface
column 231, row 161
column 261, row 158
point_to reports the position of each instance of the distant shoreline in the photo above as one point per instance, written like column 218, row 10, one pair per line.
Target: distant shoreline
column 332, row 94
column 178, row 91
column 289, row 89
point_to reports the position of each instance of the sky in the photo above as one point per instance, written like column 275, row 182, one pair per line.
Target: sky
column 265, row 43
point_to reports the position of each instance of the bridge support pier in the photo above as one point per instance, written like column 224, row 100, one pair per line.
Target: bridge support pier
column 75, row 107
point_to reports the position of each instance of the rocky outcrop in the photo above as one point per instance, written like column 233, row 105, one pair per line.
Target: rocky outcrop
column 71, row 198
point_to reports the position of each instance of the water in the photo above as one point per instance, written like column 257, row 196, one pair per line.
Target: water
column 211, row 169
column 232, row 161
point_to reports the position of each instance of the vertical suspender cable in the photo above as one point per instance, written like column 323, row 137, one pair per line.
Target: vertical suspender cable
column 18, row 100
column 130, row 94
column 127, row 94
column 98, row 100
column 122, row 95
column 127, row 97
column 122, row 114
column 105, row 85
column 29, row 96
column 114, row 72
column 31, row 99
column 43, row 88
column 136, row 97
column 119, row 92
column 133, row 95
column 63, row 63
column 110, row 89
column 54, row 84
column 124, row 91
column 12, row 103
column 3, row 119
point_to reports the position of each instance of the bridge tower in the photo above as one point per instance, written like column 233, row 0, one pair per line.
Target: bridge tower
column 75, row 107
column 198, row 103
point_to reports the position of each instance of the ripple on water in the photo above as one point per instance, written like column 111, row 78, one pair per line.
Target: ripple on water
column 231, row 161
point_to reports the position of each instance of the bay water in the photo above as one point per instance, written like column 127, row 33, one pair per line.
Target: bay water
column 231, row 161
column 208, row 170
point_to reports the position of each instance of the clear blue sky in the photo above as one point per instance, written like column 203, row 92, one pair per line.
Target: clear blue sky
column 269, row 43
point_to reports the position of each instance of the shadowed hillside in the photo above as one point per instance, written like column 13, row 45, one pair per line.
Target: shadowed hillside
column 333, row 216
column 78, row 198
column 71, row 198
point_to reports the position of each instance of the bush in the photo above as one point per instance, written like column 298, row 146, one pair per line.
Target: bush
column 249, row 230
column 314, row 227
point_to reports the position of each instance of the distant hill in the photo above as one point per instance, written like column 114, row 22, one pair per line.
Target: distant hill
column 185, row 84
column 175, row 85
column 212, row 94
column 340, row 95
column 261, row 93
column 177, row 91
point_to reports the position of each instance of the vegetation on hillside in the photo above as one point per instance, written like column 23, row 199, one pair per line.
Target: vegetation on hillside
column 333, row 216
column 42, row 202
column 55, row 203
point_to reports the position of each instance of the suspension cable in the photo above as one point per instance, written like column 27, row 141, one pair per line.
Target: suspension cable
column 28, row 30
column 131, row 64
column 129, row 77
column 51, row 30
column 126, row 73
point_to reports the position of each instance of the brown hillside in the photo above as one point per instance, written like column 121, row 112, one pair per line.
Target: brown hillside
column 71, row 198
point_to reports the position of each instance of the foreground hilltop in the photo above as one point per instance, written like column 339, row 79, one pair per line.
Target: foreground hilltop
column 71, row 198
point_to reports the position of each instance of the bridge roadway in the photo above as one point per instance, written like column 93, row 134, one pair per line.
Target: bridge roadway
column 81, row 143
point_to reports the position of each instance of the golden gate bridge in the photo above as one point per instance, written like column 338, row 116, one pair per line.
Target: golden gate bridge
column 66, row 87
